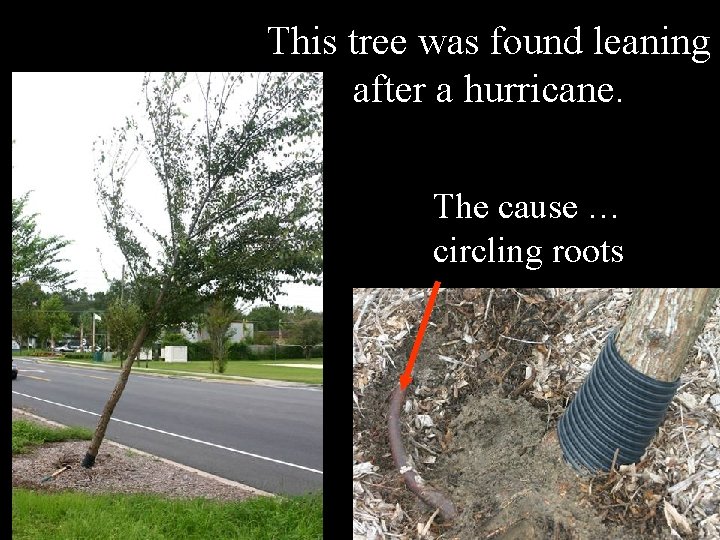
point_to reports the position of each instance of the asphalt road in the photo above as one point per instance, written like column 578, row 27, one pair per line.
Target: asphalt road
column 268, row 437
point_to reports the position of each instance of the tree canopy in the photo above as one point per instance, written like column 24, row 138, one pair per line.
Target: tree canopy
column 242, row 188
column 33, row 256
column 53, row 321
column 217, row 319
column 123, row 320
column 307, row 332
column 26, row 299
column 266, row 317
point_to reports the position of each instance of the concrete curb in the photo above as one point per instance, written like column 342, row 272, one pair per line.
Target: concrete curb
column 204, row 474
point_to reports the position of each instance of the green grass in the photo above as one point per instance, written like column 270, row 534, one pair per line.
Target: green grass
column 248, row 368
column 242, row 368
column 25, row 435
column 69, row 515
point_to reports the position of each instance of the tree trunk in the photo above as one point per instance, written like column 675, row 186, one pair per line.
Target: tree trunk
column 623, row 400
column 659, row 328
column 99, row 435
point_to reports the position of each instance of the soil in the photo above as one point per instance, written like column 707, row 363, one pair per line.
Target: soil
column 493, row 450
column 506, row 472
column 503, row 469
column 118, row 469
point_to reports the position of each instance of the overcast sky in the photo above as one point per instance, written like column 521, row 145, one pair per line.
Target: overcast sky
column 55, row 119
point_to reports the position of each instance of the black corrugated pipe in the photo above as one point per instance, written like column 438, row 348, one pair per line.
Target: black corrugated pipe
column 616, row 408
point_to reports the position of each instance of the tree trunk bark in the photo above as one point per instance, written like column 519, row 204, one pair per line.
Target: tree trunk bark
column 659, row 328
column 617, row 410
column 99, row 435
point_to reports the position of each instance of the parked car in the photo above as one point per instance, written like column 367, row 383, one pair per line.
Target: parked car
column 15, row 370
column 64, row 348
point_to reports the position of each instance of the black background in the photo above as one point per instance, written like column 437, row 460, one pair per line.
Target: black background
column 645, row 159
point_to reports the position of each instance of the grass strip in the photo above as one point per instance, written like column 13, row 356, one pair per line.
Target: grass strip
column 72, row 515
column 26, row 434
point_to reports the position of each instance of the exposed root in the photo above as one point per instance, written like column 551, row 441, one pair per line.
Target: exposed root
column 413, row 481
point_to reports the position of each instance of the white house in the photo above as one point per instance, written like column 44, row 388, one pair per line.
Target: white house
column 238, row 332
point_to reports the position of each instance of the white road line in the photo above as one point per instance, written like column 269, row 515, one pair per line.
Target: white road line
column 175, row 434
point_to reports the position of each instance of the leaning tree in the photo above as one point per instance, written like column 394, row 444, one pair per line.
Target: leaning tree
column 242, row 191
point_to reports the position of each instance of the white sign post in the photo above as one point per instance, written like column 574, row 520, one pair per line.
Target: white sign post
column 96, row 317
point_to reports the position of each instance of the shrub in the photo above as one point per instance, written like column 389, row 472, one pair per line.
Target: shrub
column 261, row 338
column 195, row 351
column 276, row 352
column 198, row 351
column 287, row 352
column 175, row 339
column 36, row 352
column 239, row 351
column 79, row 356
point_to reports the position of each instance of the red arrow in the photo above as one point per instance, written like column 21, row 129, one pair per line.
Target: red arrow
column 406, row 377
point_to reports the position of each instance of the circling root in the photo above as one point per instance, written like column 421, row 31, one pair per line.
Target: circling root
column 414, row 482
